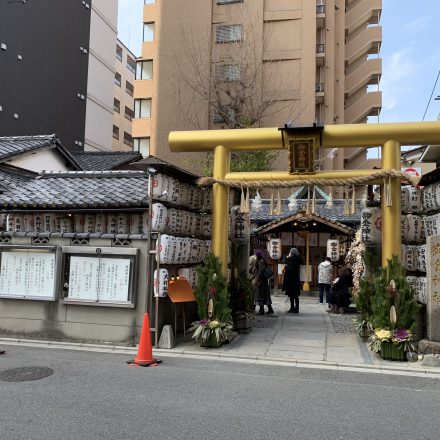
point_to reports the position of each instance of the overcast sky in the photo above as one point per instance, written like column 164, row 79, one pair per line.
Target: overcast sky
column 410, row 53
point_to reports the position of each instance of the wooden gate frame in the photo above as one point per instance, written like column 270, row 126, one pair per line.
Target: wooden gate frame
column 389, row 137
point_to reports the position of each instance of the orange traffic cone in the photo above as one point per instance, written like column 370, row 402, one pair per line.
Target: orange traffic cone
column 144, row 357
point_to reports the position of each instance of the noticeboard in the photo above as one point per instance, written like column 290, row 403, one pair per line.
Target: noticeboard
column 99, row 276
column 28, row 273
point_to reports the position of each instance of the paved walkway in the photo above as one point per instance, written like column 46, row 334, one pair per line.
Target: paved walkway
column 307, row 336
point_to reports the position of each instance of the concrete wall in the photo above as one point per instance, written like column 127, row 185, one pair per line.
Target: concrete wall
column 47, row 160
column 65, row 322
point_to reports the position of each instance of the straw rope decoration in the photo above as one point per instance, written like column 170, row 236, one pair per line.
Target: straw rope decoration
column 361, row 180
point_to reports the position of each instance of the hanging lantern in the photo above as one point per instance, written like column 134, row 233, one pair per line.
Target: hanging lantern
column 333, row 249
column 161, row 283
column 274, row 248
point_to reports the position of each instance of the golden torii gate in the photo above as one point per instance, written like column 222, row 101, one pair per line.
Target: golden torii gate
column 388, row 136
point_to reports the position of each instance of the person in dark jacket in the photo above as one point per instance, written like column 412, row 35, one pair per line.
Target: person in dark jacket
column 340, row 291
column 291, row 281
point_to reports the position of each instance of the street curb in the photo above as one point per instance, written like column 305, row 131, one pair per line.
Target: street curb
column 227, row 357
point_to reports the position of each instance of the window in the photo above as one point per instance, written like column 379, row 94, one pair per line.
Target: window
column 129, row 88
column 229, row 33
column 148, row 32
column 227, row 72
column 115, row 132
column 131, row 64
column 144, row 69
column 116, row 105
column 128, row 113
column 142, row 108
column 118, row 79
column 225, row 2
column 128, row 140
column 119, row 52
column 226, row 115
column 142, row 145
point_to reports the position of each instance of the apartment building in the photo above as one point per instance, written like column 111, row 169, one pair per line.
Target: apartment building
column 57, row 70
column 123, row 102
column 210, row 64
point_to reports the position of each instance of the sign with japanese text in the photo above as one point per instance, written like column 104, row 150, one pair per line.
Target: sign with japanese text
column 27, row 274
column 94, row 278
column 301, row 156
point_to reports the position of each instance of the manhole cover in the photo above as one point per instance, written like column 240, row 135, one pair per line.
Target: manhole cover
column 25, row 373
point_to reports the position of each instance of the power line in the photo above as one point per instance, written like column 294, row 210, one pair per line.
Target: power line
column 432, row 93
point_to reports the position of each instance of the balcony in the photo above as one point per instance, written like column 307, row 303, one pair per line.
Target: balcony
column 368, row 104
column 367, row 42
column 320, row 16
column 319, row 93
column 320, row 54
column 368, row 73
column 365, row 12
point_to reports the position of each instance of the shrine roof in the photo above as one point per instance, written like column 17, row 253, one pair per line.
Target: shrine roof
column 79, row 190
column 334, row 213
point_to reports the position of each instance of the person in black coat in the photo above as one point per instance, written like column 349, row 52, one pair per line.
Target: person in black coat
column 340, row 291
column 291, row 281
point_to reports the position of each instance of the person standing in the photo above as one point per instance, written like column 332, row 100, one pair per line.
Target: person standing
column 325, row 274
column 291, row 281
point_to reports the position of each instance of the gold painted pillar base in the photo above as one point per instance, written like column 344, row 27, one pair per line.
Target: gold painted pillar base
column 391, row 215
column 220, row 208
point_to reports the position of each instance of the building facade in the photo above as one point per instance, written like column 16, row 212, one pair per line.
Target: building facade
column 230, row 64
column 57, row 69
column 123, row 102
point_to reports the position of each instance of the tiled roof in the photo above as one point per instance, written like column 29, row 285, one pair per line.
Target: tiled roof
column 334, row 213
column 103, row 161
column 13, row 178
column 11, row 146
column 80, row 189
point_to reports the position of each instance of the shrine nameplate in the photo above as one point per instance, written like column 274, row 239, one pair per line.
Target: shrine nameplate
column 301, row 156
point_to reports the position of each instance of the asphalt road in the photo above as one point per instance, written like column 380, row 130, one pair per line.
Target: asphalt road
column 97, row 396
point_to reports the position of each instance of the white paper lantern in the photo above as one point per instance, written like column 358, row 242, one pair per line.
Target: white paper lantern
column 206, row 224
column 184, row 227
column 414, row 199
column 184, row 189
column 371, row 226
column 414, row 228
column 333, row 250
column 421, row 258
column 165, row 249
column 422, row 291
column 404, row 197
column 192, row 223
column 78, row 222
column 274, row 247
column 403, row 256
column 159, row 217
column 411, row 257
column 428, row 198
column 161, row 283
column 173, row 221
column 412, row 281
column 207, row 198
column 403, row 228
column 90, row 222
column 157, row 185
column 179, row 256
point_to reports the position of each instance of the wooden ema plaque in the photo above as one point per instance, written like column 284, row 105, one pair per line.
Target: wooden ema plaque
column 180, row 291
